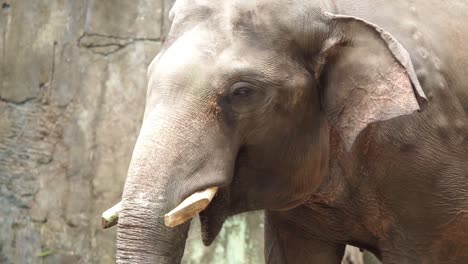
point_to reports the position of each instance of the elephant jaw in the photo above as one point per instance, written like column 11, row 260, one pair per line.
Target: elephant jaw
column 187, row 209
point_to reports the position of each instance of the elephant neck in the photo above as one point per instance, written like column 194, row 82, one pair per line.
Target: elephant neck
column 346, row 194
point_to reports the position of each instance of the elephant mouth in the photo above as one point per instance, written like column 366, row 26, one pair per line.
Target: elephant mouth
column 212, row 211
column 214, row 216
column 222, row 206
column 229, row 201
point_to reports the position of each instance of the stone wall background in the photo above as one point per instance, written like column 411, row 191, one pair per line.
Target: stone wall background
column 72, row 90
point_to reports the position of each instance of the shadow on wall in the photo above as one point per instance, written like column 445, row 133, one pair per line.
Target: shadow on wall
column 72, row 91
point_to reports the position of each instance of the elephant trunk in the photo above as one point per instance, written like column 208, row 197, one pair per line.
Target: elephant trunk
column 143, row 238
column 173, row 159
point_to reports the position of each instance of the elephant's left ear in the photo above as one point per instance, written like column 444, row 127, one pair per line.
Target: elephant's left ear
column 365, row 76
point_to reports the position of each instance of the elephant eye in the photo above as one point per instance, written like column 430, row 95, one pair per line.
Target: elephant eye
column 244, row 97
column 242, row 90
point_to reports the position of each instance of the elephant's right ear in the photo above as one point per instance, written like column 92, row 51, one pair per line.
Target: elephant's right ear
column 365, row 76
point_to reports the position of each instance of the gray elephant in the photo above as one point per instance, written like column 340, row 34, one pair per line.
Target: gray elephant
column 346, row 121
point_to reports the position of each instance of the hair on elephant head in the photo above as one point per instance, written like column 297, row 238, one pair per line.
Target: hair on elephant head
column 241, row 97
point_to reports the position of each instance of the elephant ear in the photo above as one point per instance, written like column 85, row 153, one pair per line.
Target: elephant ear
column 365, row 76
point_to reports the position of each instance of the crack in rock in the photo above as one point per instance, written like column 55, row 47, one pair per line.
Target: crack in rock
column 107, row 44
column 21, row 102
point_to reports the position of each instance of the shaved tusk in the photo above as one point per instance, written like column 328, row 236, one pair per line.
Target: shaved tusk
column 111, row 215
column 189, row 207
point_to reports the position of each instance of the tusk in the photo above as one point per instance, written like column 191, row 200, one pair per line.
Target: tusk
column 189, row 207
column 111, row 215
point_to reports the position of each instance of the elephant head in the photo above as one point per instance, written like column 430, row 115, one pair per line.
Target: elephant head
column 242, row 97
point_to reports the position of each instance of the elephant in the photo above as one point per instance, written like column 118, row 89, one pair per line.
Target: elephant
column 345, row 121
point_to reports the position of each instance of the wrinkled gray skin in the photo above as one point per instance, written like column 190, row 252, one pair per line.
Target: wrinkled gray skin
column 309, row 110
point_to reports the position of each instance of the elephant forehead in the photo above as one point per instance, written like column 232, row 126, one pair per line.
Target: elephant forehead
column 228, row 18
column 192, row 47
column 244, row 59
column 230, row 9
